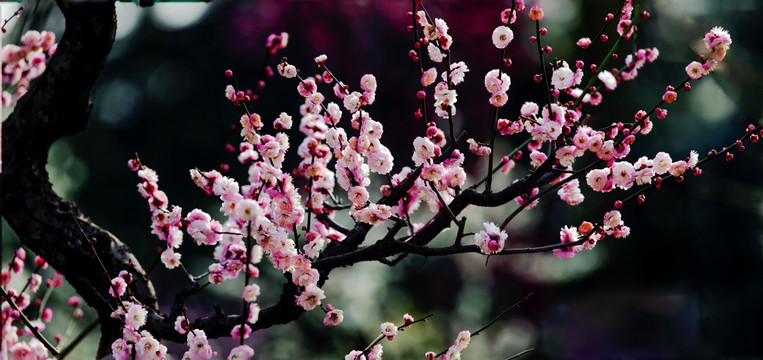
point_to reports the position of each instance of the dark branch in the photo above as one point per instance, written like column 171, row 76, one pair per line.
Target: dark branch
column 59, row 105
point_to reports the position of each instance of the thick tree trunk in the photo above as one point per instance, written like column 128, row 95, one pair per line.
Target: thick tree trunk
column 57, row 105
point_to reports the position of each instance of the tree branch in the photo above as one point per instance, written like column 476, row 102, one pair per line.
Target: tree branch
column 58, row 104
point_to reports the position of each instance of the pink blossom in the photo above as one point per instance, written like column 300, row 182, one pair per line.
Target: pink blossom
column 623, row 174
column 368, row 83
column 612, row 219
column 621, row 231
column 457, row 72
column 536, row 13
column 477, row 148
column 693, row 159
column 35, row 280
column 74, row 301
column 120, row 349
column 181, row 325
column 429, row 77
column 661, row 163
column 607, row 79
column 462, row 340
column 254, row 313
column 287, row 70
column 135, row 316
column 562, row 78
column 566, row 155
column 352, row 102
column 568, row 234
column 375, row 353
column 669, row 96
column 537, row 158
column 380, row 161
column 310, row 297
column 47, row 314
column 241, row 352
column 499, row 99
column 283, row 121
column 216, row 273
column 718, row 40
column 170, row 259
column 434, row 53
column 570, row 193
column 358, row 195
column 355, row 355
column 198, row 345
column 238, row 333
column 584, row 42
column 529, row 109
column 250, row 292
column 502, row 36
column 119, row 285
column 678, row 168
column 607, row 150
column 508, row 16
column 333, row 317
column 149, row 348
column 389, row 330
column 490, row 240
column 423, row 149
column 248, row 210
column 598, row 180
column 694, row 70
column 494, row 84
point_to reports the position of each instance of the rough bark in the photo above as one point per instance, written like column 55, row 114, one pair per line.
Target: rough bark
column 58, row 105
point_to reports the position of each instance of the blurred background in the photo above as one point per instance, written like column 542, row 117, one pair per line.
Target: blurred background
column 687, row 283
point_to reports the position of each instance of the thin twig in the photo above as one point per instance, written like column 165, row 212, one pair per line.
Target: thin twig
column 28, row 324
column 81, row 336
column 517, row 355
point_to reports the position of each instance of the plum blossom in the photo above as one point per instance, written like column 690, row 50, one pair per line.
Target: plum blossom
column 608, row 79
column 240, row 331
column 623, row 174
column 429, row 77
column 568, row 234
column 661, row 163
column 310, row 297
column 718, row 40
column 598, row 180
column 495, row 84
column 502, row 36
column 457, row 72
column 121, row 349
column 135, row 316
column 695, row 70
column 241, row 352
column 250, row 292
column 389, row 330
column 434, row 53
column 333, row 316
column 490, row 240
column 170, row 259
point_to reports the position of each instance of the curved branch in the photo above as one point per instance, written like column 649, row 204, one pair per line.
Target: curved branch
column 58, row 105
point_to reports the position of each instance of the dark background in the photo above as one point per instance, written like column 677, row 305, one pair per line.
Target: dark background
column 687, row 283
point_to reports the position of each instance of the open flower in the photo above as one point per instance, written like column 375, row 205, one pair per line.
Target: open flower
column 490, row 240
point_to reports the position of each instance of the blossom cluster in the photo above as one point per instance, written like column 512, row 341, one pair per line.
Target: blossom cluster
column 17, row 341
column 23, row 63
column 388, row 330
